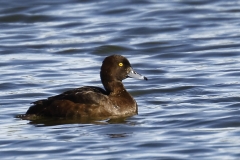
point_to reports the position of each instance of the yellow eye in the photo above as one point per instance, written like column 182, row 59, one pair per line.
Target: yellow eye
column 120, row 64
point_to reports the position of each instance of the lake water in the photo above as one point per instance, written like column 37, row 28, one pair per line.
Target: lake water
column 189, row 50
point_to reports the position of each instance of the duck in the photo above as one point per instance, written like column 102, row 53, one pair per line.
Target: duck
column 90, row 101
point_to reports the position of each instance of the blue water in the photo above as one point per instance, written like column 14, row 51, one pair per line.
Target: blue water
column 189, row 50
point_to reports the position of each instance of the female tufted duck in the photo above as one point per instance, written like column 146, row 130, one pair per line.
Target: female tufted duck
column 93, row 102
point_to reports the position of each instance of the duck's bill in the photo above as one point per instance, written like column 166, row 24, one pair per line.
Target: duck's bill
column 136, row 75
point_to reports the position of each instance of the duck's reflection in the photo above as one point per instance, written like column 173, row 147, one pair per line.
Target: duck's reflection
column 46, row 121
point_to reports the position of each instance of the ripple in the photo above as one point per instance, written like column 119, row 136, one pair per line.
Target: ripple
column 189, row 50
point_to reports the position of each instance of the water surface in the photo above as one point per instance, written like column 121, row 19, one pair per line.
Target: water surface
column 189, row 50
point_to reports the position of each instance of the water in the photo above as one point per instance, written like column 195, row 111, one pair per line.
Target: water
column 189, row 50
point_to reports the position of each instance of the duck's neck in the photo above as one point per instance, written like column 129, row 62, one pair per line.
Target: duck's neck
column 114, row 87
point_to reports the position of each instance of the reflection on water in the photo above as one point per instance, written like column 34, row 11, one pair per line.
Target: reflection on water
column 45, row 121
column 189, row 50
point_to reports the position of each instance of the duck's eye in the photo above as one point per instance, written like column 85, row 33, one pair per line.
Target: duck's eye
column 120, row 64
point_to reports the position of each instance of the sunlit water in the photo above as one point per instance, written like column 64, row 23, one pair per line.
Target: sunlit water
column 189, row 50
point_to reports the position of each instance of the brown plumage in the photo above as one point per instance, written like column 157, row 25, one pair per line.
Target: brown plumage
column 93, row 102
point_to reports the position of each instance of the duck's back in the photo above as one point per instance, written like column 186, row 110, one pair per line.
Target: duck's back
column 80, row 102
